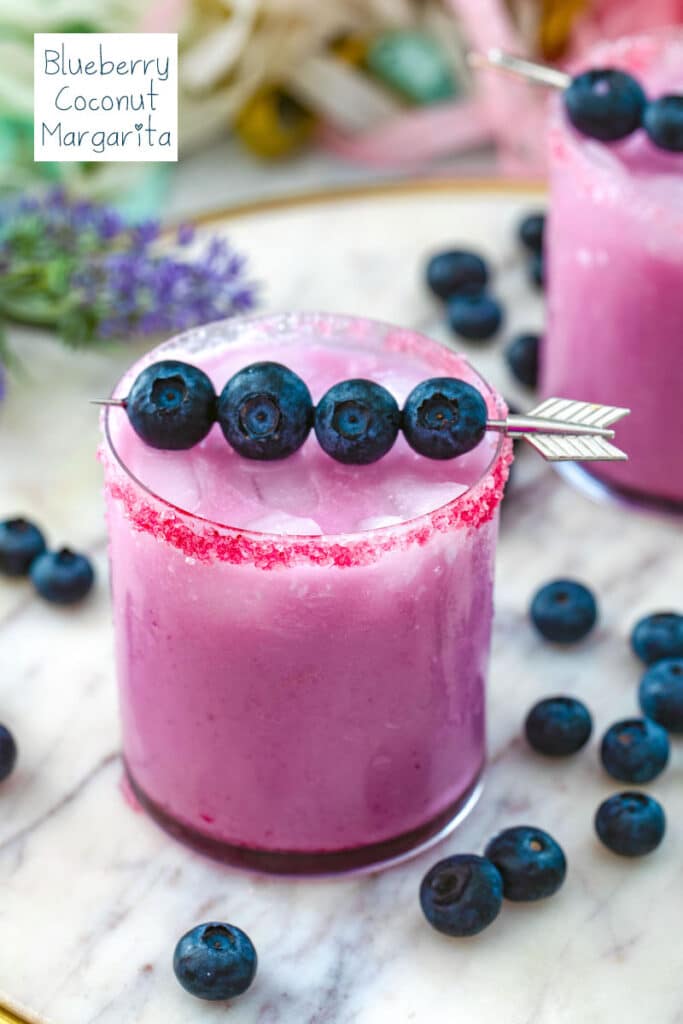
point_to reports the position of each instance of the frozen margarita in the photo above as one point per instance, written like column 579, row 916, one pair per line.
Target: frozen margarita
column 302, row 645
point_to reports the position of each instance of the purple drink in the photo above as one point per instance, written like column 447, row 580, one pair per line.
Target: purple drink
column 301, row 645
column 615, row 252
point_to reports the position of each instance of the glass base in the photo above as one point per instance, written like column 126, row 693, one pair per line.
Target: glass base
column 283, row 862
column 581, row 479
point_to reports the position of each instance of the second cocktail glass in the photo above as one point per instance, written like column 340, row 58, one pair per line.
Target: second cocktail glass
column 614, row 247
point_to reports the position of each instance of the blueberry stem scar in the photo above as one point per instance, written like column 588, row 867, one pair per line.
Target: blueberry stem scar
column 541, row 74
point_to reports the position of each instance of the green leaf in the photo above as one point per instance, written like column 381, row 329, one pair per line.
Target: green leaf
column 36, row 309
column 78, row 326
column 9, row 359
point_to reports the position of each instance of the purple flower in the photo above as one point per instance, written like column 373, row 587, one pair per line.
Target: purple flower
column 146, row 232
column 108, row 279
column 186, row 234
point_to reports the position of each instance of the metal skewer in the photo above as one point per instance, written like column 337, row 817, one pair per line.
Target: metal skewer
column 541, row 74
column 560, row 429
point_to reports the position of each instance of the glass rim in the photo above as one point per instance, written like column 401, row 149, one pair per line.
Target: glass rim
column 500, row 456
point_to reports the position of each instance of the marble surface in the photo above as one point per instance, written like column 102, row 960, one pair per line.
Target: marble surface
column 93, row 896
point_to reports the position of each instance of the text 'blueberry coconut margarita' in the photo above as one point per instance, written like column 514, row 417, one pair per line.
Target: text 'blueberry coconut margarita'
column 302, row 599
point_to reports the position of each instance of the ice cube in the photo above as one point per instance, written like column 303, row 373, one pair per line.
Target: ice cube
column 415, row 498
column 171, row 475
column 289, row 486
column 283, row 522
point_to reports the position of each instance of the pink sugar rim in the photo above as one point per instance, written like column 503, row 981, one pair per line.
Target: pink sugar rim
column 205, row 541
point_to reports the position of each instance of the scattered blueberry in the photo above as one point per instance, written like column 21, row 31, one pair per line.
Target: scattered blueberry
column 658, row 636
column 605, row 104
column 635, row 750
column 532, row 864
column 531, row 232
column 661, row 693
column 564, row 611
column 171, row 405
column 357, row 422
column 215, row 961
column 663, row 122
column 449, row 273
column 20, row 543
column 461, row 895
column 521, row 356
column 265, row 411
column 476, row 317
column 444, row 417
column 537, row 270
column 62, row 577
column 8, row 753
column 558, row 726
column 630, row 824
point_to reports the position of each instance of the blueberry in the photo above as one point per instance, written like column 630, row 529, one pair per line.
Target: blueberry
column 62, row 577
column 630, row 824
column 658, row 636
column 461, row 895
column 635, row 750
column 661, row 693
column 605, row 104
column 476, row 317
column 444, row 417
column 532, row 864
column 564, row 611
column 663, row 123
column 265, row 411
column 521, row 356
column 171, row 405
column 531, row 231
column 449, row 273
column 8, row 753
column 558, row 726
column 20, row 543
column 537, row 271
column 215, row 961
column 357, row 422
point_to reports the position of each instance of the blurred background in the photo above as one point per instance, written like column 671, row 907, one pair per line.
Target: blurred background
column 275, row 97
column 287, row 95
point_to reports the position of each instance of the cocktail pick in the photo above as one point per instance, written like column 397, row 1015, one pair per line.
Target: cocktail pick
column 541, row 74
column 560, row 429
column 563, row 430
column 607, row 104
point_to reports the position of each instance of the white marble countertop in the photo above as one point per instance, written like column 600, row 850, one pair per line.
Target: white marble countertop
column 93, row 896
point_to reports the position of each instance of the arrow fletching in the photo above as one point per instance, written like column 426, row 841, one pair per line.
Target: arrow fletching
column 563, row 430
column 565, row 410
column 557, row 448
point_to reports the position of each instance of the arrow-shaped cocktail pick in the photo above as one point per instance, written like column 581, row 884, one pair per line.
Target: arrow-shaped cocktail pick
column 541, row 74
column 563, row 430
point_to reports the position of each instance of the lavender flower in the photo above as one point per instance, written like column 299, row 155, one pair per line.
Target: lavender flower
column 76, row 266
